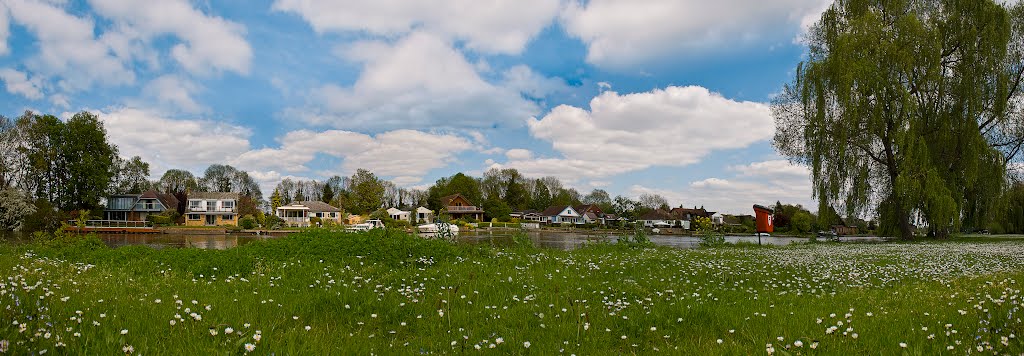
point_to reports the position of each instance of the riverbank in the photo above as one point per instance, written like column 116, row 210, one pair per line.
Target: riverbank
column 386, row 292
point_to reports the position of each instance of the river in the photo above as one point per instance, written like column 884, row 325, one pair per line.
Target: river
column 545, row 239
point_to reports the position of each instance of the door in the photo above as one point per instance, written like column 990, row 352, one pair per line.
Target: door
column 211, row 220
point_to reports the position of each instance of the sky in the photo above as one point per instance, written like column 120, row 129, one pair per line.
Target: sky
column 656, row 96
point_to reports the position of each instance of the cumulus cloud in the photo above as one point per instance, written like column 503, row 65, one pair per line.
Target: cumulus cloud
column 69, row 50
column 19, row 83
column 5, row 30
column 174, row 92
column 405, row 155
column 418, row 82
column 504, row 26
column 676, row 126
column 190, row 144
column 756, row 183
column 208, row 43
column 621, row 33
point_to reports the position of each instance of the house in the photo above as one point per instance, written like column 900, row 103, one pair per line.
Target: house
column 661, row 218
column 691, row 214
column 592, row 214
column 424, row 216
column 561, row 215
column 527, row 216
column 137, row 207
column 459, row 207
column 212, row 209
column 398, row 214
column 299, row 213
column 843, row 230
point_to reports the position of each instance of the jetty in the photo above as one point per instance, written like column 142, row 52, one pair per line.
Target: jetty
column 112, row 227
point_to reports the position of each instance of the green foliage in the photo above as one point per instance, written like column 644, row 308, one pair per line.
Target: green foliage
column 15, row 206
column 801, row 222
column 709, row 235
column 911, row 107
column 159, row 219
column 367, row 192
column 247, row 222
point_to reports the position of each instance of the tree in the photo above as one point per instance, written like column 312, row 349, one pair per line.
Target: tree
column 653, row 201
column 367, row 192
column 907, row 106
column 177, row 181
column 627, row 208
column 801, row 222
column 459, row 183
column 541, row 195
column 15, row 205
column 130, row 177
column 600, row 198
column 275, row 200
column 327, row 194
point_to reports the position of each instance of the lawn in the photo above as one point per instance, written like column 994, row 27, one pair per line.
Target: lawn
column 390, row 293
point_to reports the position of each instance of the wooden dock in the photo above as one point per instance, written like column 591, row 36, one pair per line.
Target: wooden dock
column 112, row 227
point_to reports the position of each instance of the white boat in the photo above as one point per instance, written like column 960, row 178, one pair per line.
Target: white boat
column 366, row 226
column 434, row 228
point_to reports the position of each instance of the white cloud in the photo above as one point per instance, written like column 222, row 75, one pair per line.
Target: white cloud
column 526, row 81
column 676, row 126
column 5, row 30
column 68, row 50
column 19, row 83
column 174, row 92
column 518, row 154
column 620, row 33
column 418, row 82
column 757, row 183
column 168, row 143
column 209, row 43
column 406, row 155
column 504, row 26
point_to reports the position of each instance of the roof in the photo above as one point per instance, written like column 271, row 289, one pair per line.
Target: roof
column 446, row 201
column 588, row 207
column 657, row 214
column 681, row 212
column 396, row 211
column 554, row 210
column 319, row 206
column 423, row 210
column 169, row 201
column 214, row 195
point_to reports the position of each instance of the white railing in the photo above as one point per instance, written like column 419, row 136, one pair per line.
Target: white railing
column 203, row 209
column 113, row 223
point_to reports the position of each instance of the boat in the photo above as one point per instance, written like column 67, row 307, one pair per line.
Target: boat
column 435, row 227
column 366, row 226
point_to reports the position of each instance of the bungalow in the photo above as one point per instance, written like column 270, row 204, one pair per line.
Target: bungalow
column 662, row 218
column 691, row 214
column 561, row 215
column 459, row 207
column 212, row 209
column 399, row 214
column 299, row 213
column 424, row 216
column 592, row 214
column 527, row 216
column 136, row 207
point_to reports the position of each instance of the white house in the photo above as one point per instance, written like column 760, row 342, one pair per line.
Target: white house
column 398, row 214
column 562, row 215
column 424, row 216
column 299, row 213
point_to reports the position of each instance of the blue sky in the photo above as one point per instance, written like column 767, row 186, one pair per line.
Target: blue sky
column 660, row 96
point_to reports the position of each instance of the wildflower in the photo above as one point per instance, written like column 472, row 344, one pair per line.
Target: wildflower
column 719, row 341
column 654, row 329
column 213, row 332
column 249, row 347
column 623, row 337
column 499, row 341
column 903, row 345
column 246, row 325
column 798, row 343
column 477, row 346
column 4, row 344
column 454, row 342
column 124, row 331
column 228, row 330
column 173, row 322
column 854, row 335
column 308, row 327
column 526, row 344
column 257, row 337
column 814, row 345
column 128, row 349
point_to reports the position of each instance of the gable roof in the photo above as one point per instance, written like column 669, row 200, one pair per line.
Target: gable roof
column 447, row 200
column 593, row 208
column 681, row 212
column 657, row 214
column 555, row 210
column 214, row 195
column 320, row 207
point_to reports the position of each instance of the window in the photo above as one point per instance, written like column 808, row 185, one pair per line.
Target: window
column 193, row 216
column 228, row 204
column 211, row 205
column 150, row 205
column 195, row 204
column 229, row 217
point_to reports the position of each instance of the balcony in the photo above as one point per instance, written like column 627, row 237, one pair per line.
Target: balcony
column 203, row 209
column 464, row 209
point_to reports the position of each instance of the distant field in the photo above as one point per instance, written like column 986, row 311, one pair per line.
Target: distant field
column 389, row 293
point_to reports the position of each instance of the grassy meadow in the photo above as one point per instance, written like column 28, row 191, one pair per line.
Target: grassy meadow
column 390, row 293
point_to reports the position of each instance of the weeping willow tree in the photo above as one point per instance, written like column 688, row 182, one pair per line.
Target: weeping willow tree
column 908, row 109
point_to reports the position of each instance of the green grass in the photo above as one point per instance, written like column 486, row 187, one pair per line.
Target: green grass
column 390, row 293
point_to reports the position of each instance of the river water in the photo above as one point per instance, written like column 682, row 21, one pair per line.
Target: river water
column 545, row 239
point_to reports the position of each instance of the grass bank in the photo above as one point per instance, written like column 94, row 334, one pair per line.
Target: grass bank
column 387, row 292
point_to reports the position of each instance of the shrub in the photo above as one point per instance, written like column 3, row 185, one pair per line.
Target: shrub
column 247, row 222
column 709, row 236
